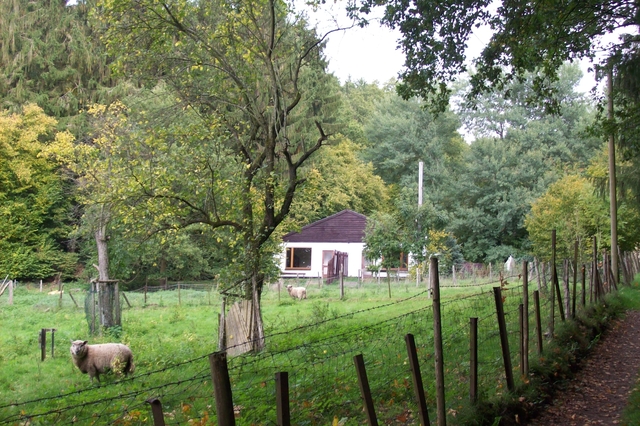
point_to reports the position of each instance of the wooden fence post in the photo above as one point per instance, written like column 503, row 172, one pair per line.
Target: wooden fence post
column 554, row 276
column 473, row 360
column 222, row 388
column 525, row 302
column 612, row 274
column 594, row 272
column 437, row 340
column 536, row 302
column 43, row 344
column 605, row 272
column 282, row 399
column 116, row 300
column 584, row 285
column 53, row 339
column 72, row 298
column 552, row 305
column 565, row 284
column 94, row 289
column 575, row 278
column 504, row 338
column 125, row 299
column 222, row 324
column 522, row 353
column 418, row 388
column 364, row 390
column 156, row 411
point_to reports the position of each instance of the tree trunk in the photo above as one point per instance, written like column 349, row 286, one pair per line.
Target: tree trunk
column 257, row 326
column 103, row 254
column 105, row 293
column 163, row 270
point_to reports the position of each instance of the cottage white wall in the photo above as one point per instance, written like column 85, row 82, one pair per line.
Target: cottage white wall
column 353, row 249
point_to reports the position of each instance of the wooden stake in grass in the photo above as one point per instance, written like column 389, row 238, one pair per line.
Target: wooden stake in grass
column 365, row 391
column 525, row 323
column 282, row 399
column 156, row 411
column 536, row 305
column 473, row 360
column 418, row 389
column 504, row 338
column 222, row 388
column 437, row 340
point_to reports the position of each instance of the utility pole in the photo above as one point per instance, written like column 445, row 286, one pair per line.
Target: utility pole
column 613, row 202
column 420, row 169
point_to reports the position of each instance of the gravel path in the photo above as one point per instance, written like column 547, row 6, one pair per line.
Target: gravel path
column 599, row 392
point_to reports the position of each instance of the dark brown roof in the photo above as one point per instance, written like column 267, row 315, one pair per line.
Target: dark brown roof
column 346, row 226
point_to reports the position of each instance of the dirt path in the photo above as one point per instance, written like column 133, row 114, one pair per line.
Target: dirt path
column 601, row 388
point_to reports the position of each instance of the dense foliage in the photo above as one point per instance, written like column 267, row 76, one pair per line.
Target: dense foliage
column 525, row 37
column 35, row 206
column 51, row 55
column 228, row 132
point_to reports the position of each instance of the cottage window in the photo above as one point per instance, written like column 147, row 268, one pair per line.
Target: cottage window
column 298, row 258
column 404, row 261
column 402, row 265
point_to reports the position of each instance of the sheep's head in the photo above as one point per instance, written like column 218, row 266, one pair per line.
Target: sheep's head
column 79, row 348
column 289, row 287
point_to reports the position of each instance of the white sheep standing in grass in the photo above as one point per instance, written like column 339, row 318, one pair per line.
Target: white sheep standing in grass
column 297, row 292
column 98, row 359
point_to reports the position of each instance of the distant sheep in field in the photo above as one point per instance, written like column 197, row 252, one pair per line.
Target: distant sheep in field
column 98, row 359
column 297, row 292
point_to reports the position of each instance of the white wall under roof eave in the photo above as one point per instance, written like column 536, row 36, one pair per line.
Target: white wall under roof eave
column 354, row 263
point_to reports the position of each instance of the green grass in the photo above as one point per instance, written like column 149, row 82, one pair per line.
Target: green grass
column 314, row 340
column 631, row 414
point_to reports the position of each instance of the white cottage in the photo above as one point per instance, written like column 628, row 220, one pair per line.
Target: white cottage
column 326, row 248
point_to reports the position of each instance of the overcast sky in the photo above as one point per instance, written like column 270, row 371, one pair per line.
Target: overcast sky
column 368, row 53
column 371, row 53
column 358, row 53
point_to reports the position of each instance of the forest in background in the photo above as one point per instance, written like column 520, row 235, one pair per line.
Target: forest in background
column 183, row 145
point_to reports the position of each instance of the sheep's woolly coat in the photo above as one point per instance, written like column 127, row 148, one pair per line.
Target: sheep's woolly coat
column 97, row 359
column 297, row 292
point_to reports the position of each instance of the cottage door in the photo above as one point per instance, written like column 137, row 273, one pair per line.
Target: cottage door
column 343, row 261
column 327, row 263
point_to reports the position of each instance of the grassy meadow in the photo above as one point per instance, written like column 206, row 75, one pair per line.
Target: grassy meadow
column 314, row 340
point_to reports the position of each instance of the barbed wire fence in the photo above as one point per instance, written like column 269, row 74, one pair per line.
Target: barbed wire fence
column 319, row 359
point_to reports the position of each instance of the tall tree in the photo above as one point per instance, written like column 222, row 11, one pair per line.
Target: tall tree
column 338, row 179
column 35, row 212
column 50, row 55
column 521, row 150
column 360, row 100
column 241, row 68
column 624, row 66
column 571, row 207
column 526, row 37
column 402, row 133
column 121, row 227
